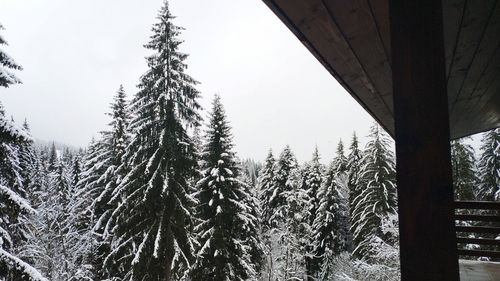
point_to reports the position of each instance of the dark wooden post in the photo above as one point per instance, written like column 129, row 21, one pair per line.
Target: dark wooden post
column 424, row 177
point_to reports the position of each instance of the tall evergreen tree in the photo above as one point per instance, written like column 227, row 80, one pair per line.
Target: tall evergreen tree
column 489, row 166
column 154, row 209
column 285, row 168
column 464, row 170
column 228, row 228
column 7, row 64
column 353, row 172
column 99, row 178
column 312, row 179
column 265, row 191
column 109, row 156
column 331, row 225
column 295, row 231
column 266, row 188
column 288, row 222
column 377, row 199
column 14, row 208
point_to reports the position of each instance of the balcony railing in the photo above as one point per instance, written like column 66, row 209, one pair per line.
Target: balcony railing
column 483, row 219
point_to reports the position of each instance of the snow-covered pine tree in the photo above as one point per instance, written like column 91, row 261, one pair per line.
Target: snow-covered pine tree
column 266, row 189
column 294, row 233
column 312, row 179
column 378, row 198
column 353, row 171
column 340, row 161
column 53, row 157
column 343, row 212
column 87, row 189
column 27, row 157
column 285, row 168
column 76, row 171
column 464, row 170
column 99, row 178
column 288, row 227
column 330, row 229
column 489, row 166
column 154, row 209
column 7, row 64
column 54, row 234
column 228, row 227
column 14, row 207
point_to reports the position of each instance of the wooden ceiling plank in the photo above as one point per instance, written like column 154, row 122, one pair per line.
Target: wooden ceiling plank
column 374, row 62
column 453, row 14
column 328, row 41
column 486, row 99
column 475, row 19
column 380, row 14
column 487, row 40
column 351, row 40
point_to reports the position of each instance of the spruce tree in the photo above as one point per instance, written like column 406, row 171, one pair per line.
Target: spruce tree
column 353, row 171
column 312, row 179
column 99, row 178
column 464, row 170
column 489, row 166
column 153, row 208
column 330, row 228
column 14, row 207
column 285, row 168
column 228, row 227
column 266, row 188
column 7, row 64
column 288, row 222
column 265, row 191
column 378, row 198
column 294, row 231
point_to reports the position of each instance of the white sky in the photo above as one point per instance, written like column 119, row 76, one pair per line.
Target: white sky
column 76, row 53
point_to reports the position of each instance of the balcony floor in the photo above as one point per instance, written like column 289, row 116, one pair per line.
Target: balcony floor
column 479, row 271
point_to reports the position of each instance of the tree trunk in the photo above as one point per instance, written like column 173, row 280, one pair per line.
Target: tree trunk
column 168, row 267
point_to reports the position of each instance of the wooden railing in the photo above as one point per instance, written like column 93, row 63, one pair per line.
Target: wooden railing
column 469, row 211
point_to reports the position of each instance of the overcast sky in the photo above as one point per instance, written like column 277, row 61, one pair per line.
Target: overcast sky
column 76, row 53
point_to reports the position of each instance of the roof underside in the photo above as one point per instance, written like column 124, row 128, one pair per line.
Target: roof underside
column 352, row 40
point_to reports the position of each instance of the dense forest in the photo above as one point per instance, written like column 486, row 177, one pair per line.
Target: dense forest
column 162, row 195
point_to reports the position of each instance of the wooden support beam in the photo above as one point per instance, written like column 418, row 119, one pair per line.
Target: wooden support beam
column 478, row 229
column 422, row 133
column 478, row 241
column 490, row 218
column 479, row 205
column 477, row 253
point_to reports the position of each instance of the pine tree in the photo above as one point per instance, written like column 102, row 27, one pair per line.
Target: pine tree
column 53, row 221
column 353, row 173
column 285, row 167
column 377, row 199
column 489, row 166
column 464, row 170
column 53, row 157
column 266, row 188
column 330, row 228
column 288, row 223
column 27, row 157
column 7, row 64
column 293, row 234
column 154, row 209
column 265, row 191
column 312, row 179
column 228, row 227
column 99, row 178
column 14, row 208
